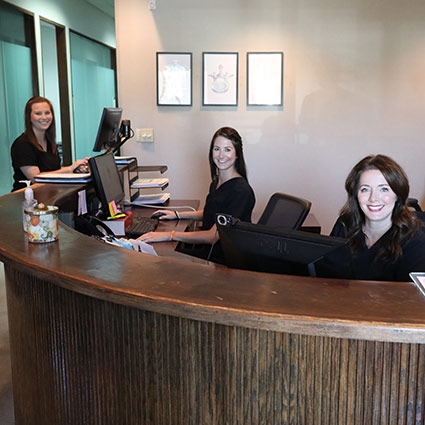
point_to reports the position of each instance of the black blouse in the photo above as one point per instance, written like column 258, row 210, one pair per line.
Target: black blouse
column 234, row 197
column 366, row 268
column 24, row 153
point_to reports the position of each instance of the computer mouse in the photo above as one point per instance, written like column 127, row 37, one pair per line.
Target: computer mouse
column 82, row 169
column 158, row 214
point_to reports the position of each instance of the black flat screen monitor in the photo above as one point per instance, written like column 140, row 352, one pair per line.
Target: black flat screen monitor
column 257, row 247
column 107, row 180
column 108, row 134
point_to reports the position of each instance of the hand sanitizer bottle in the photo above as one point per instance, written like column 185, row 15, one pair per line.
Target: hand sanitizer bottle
column 29, row 202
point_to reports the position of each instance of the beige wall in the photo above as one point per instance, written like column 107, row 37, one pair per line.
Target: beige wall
column 354, row 84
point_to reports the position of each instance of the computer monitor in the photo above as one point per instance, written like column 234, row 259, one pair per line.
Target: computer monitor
column 107, row 180
column 108, row 134
column 263, row 248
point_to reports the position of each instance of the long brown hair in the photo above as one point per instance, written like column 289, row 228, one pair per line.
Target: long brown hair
column 50, row 132
column 404, row 221
column 232, row 135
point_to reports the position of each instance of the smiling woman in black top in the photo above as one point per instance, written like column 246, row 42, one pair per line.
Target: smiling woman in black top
column 387, row 239
column 35, row 150
column 229, row 192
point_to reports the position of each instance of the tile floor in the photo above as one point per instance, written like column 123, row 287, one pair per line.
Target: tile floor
column 6, row 397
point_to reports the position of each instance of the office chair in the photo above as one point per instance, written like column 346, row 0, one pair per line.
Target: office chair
column 414, row 204
column 421, row 216
column 285, row 211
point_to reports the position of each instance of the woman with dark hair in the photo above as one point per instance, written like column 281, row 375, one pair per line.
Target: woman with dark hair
column 387, row 239
column 230, row 192
column 35, row 150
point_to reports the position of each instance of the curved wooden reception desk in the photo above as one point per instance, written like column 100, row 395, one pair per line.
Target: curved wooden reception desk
column 103, row 335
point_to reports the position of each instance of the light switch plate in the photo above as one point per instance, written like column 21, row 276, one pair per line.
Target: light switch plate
column 144, row 134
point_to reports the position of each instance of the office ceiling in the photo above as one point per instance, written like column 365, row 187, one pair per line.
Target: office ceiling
column 106, row 6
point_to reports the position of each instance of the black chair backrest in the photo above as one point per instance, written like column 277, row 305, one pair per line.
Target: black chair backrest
column 285, row 211
column 414, row 203
column 421, row 216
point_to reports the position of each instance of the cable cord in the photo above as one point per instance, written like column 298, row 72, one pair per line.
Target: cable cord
column 158, row 207
column 212, row 245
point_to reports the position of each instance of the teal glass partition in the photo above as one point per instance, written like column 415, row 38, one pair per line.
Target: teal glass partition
column 93, row 87
column 51, row 75
column 16, row 87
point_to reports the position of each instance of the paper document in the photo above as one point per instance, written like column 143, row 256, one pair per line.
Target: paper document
column 419, row 280
column 63, row 177
column 146, row 248
column 132, row 244
column 142, row 247
column 157, row 198
column 124, row 159
column 143, row 183
column 82, row 202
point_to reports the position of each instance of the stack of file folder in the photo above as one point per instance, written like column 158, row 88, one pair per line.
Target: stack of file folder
column 156, row 198
column 63, row 178
column 148, row 183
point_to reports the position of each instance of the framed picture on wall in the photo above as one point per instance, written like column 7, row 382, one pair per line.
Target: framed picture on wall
column 220, row 78
column 173, row 79
column 265, row 78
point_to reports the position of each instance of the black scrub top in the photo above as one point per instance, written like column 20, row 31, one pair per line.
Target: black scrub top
column 234, row 197
column 24, row 153
column 366, row 268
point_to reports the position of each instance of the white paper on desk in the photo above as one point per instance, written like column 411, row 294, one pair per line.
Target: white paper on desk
column 419, row 281
column 82, row 202
column 124, row 159
column 146, row 248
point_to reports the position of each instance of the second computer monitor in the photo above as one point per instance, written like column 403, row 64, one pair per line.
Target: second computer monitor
column 109, row 130
column 262, row 248
column 107, row 180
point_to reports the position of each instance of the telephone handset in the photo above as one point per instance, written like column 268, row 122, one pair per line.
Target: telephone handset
column 92, row 226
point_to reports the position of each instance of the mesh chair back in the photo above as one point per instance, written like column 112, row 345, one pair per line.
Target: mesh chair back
column 285, row 211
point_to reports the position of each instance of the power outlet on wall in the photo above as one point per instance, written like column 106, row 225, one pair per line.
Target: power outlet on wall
column 144, row 134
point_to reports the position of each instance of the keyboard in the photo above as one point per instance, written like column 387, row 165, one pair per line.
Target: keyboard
column 141, row 225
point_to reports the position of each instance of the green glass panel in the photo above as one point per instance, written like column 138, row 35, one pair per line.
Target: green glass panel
column 86, row 50
column 15, row 90
column 12, row 25
column 51, row 73
column 93, row 88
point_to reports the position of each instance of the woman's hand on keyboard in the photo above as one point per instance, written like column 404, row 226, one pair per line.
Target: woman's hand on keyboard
column 155, row 237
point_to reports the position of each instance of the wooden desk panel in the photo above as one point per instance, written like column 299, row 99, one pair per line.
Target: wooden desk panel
column 103, row 335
